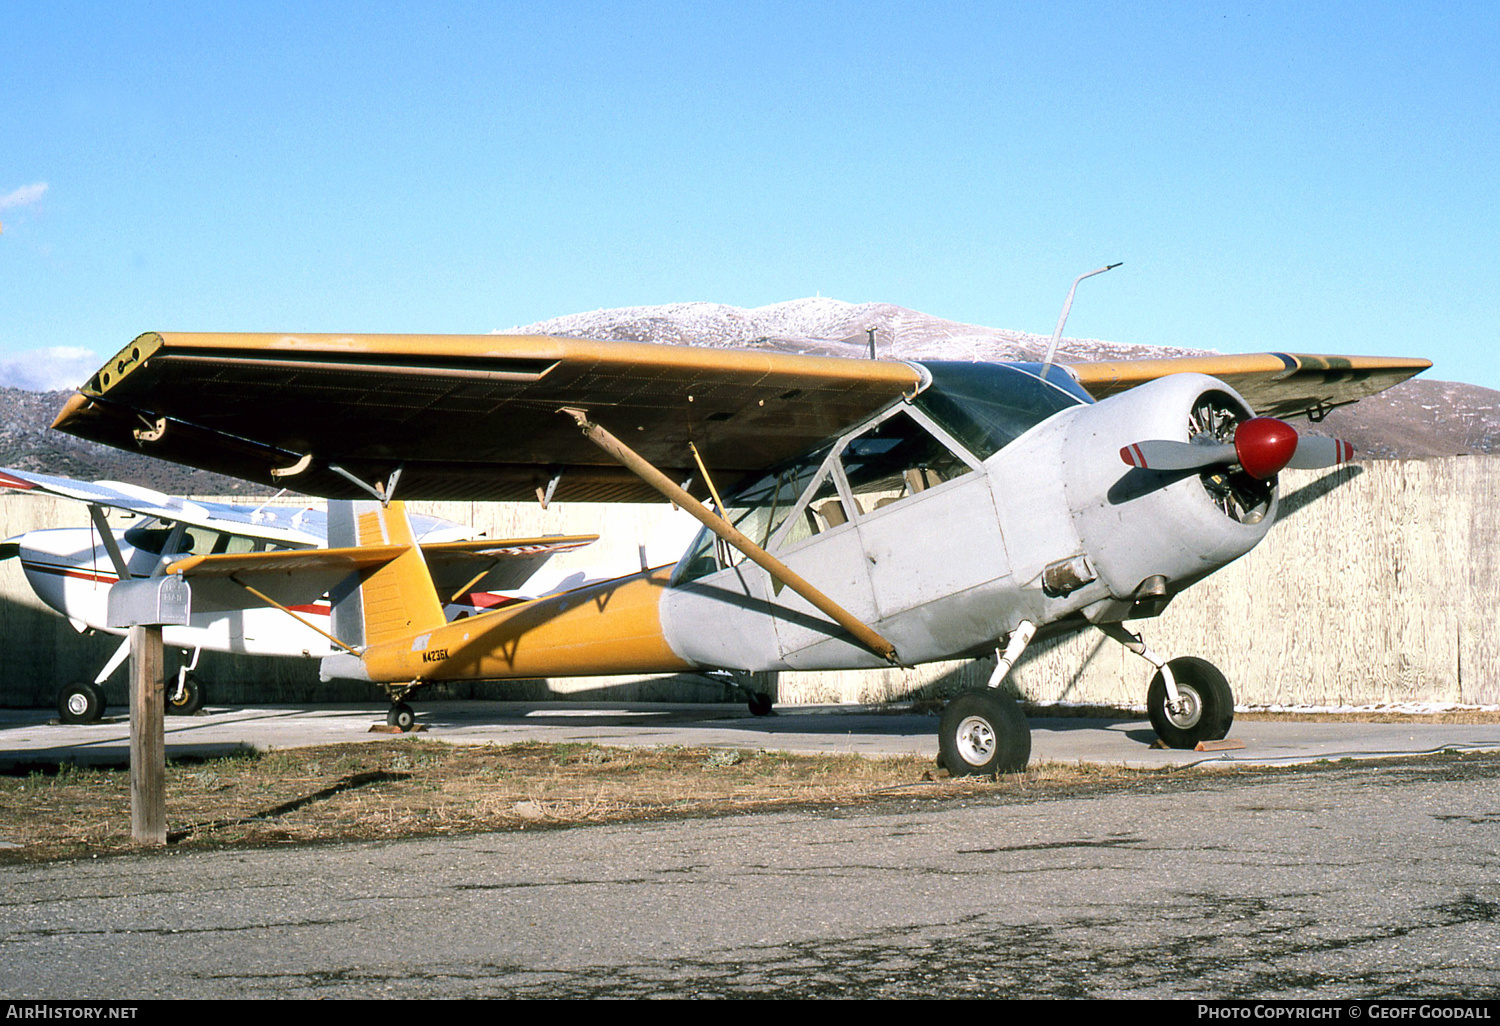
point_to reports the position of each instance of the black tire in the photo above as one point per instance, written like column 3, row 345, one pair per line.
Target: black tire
column 401, row 716
column 80, row 702
column 983, row 734
column 760, row 704
column 1208, row 704
column 189, row 701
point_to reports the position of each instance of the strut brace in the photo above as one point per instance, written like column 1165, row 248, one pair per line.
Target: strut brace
column 716, row 523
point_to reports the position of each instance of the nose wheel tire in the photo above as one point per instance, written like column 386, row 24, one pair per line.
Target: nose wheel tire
column 401, row 716
column 186, row 700
column 80, row 702
column 1205, row 711
column 983, row 734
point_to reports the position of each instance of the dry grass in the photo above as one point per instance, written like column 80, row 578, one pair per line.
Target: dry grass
column 412, row 787
column 1469, row 716
column 1108, row 712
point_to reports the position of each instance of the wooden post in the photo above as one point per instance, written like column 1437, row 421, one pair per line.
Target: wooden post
column 148, row 743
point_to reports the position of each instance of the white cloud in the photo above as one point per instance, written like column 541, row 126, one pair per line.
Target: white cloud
column 50, row 369
column 24, row 196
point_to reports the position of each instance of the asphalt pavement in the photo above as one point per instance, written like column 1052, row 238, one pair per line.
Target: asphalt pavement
column 32, row 736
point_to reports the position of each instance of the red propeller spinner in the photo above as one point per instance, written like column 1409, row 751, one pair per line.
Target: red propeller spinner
column 1262, row 446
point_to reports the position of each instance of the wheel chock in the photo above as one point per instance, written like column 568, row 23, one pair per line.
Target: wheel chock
column 1229, row 744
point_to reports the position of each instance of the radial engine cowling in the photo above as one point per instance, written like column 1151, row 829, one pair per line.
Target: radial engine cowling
column 1141, row 526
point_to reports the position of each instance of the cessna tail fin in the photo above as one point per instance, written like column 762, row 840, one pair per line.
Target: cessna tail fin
column 394, row 600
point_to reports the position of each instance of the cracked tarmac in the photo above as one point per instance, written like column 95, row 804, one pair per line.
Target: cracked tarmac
column 1357, row 880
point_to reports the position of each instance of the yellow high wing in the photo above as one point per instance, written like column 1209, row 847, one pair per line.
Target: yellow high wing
column 1274, row 384
column 479, row 417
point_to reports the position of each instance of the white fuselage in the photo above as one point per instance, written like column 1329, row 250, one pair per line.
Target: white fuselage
column 71, row 571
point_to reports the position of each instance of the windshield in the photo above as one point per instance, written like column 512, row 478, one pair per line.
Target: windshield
column 986, row 406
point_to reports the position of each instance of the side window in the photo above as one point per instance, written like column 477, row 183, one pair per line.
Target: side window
column 894, row 460
column 823, row 511
column 757, row 510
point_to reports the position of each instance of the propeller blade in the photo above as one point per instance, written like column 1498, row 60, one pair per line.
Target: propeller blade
column 1262, row 447
column 1315, row 451
column 1160, row 454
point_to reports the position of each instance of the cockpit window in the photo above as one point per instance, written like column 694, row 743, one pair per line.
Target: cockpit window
column 152, row 536
column 895, row 459
column 986, row 406
column 757, row 510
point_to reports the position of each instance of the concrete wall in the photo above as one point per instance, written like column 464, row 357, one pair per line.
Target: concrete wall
column 1380, row 583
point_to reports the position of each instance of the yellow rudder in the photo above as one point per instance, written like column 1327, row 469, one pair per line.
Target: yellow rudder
column 397, row 599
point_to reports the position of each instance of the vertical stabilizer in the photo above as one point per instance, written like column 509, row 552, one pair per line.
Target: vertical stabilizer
column 392, row 601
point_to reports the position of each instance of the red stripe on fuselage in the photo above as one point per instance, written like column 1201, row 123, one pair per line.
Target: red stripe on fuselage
column 315, row 609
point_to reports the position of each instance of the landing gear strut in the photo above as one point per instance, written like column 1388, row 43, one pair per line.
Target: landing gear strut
column 983, row 733
column 1188, row 702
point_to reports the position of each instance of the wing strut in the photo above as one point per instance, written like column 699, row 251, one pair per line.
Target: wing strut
column 721, row 527
column 268, row 600
column 107, row 536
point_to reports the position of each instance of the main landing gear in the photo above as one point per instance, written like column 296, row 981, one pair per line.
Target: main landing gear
column 984, row 733
column 1204, row 710
column 80, row 702
column 1189, row 701
column 83, row 702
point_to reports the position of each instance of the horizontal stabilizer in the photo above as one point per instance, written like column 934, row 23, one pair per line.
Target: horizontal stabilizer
column 343, row 561
column 509, row 548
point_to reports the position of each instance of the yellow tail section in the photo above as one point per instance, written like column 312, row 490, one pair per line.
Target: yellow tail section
column 397, row 599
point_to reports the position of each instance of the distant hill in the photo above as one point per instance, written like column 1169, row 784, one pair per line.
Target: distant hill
column 1414, row 420
column 1417, row 419
column 27, row 442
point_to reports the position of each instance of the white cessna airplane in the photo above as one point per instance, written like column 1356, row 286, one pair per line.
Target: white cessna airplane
column 72, row 569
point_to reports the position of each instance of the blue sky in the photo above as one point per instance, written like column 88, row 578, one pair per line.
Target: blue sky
column 1316, row 177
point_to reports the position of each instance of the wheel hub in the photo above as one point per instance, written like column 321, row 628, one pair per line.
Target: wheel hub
column 976, row 740
column 78, row 704
column 1189, row 708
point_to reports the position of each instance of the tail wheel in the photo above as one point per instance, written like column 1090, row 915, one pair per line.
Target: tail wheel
column 401, row 716
column 1205, row 711
column 184, row 700
column 983, row 734
column 760, row 704
column 80, row 702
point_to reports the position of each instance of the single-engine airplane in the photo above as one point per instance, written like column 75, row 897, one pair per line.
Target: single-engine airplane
column 72, row 569
column 867, row 513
